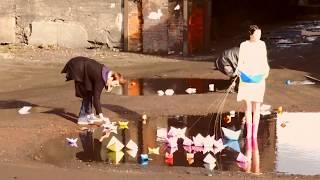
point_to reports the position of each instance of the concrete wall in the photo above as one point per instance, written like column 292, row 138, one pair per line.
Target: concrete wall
column 62, row 23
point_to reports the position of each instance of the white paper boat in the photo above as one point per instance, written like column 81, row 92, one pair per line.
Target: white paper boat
column 209, row 159
column 115, row 145
column 177, row 132
column 25, row 110
column 218, row 146
column 230, row 134
column 188, row 148
column 112, row 127
column 72, row 142
column 172, row 142
column 169, row 92
column 208, row 142
column 177, row 7
column 209, row 166
column 187, row 141
column 160, row 93
column 265, row 107
column 132, row 145
column 132, row 152
column 264, row 113
column 198, row 140
column 191, row 90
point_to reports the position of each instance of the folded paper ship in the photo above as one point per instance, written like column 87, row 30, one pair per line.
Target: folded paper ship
column 250, row 79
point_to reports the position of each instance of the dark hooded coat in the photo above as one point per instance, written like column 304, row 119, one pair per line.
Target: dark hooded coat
column 227, row 62
column 87, row 76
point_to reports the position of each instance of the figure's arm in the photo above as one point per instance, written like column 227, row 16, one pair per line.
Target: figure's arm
column 96, row 98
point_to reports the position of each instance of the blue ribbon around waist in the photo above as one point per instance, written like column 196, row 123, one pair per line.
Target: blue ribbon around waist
column 250, row 79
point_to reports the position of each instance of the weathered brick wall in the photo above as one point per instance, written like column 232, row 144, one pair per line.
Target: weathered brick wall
column 134, row 26
column 155, row 26
column 175, row 27
column 101, row 19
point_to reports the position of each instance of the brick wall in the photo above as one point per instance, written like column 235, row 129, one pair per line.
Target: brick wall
column 155, row 26
column 134, row 26
column 175, row 27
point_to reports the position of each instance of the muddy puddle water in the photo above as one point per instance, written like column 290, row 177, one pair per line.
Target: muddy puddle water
column 171, row 86
column 287, row 144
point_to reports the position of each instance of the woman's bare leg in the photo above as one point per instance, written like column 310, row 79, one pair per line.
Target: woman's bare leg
column 256, row 119
column 248, row 114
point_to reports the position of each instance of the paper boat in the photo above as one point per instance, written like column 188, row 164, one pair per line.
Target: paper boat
column 177, row 7
column 230, row 134
column 251, row 79
column 177, row 132
column 208, row 142
column 110, row 127
column 209, row 166
column 123, row 124
column 187, row 141
column 242, row 158
column 132, row 152
column 233, row 145
column 209, row 159
column 218, row 146
column 154, row 150
column 191, row 90
column 172, row 142
column 169, row 92
column 188, row 148
column 144, row 158
column 72, row 142
column 169, row 159
column 198, row 140
column 132, row 145
column 265, row 107
column 24, row 110
column 197, row 148
column 115, row 157
column 114, row 144
column 160, row 93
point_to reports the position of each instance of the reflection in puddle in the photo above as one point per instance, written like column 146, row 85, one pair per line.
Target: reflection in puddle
column 137, row 87
column 298, row 149
column 154, row 147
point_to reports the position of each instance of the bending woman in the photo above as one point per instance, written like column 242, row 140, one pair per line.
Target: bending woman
column 90, row 77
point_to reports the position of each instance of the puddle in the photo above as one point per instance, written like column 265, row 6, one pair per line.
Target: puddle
column 145, row 87
column 289, row 148
column 298, row 148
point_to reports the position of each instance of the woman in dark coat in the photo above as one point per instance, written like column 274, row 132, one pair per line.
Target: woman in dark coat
column 90, row 77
